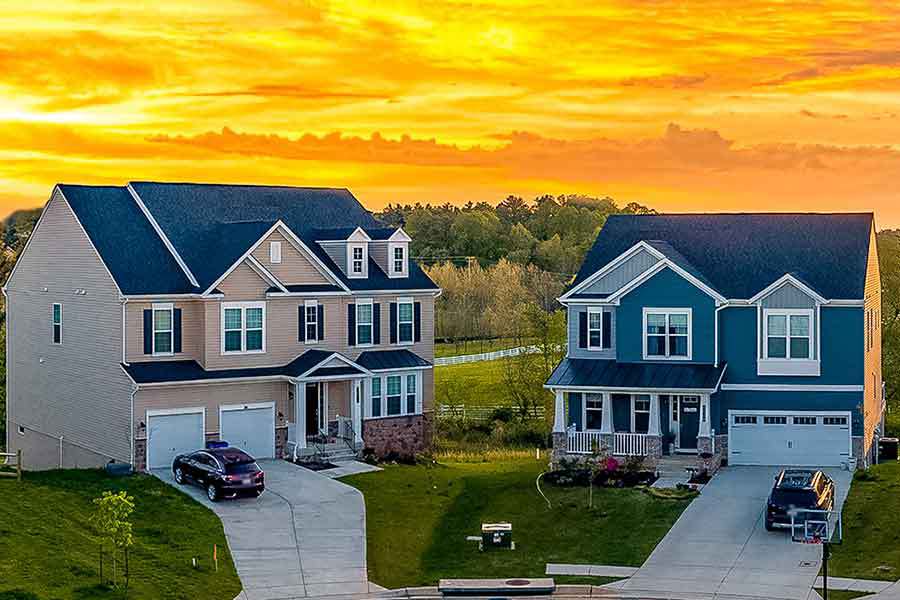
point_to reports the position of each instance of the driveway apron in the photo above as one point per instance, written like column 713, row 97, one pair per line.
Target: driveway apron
column 720, row 547
column 304, row 537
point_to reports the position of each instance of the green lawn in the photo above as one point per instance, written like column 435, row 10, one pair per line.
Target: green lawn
column 471, row 384
column 474, row 346
column 418, row 517
column 842, row 594
column 48, row 549
column 871, row 521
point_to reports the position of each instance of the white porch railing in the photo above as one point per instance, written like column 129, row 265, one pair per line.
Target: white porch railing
column 630, row 444
column 624, row 444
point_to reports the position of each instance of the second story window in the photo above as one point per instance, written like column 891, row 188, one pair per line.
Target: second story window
column 312, row 321
column 788, row 335
column 162, row 329
column 599, row 325
column 356, row 260
column 243, row 327
column 667, row 334
column 405, row 321
column 363, row 323
column 399, row 260
column 57, row 323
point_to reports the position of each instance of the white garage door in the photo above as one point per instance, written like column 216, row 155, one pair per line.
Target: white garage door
column 171, row 433
column 250, row 427
column 786, row 438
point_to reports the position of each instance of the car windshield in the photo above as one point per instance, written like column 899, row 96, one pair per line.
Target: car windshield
column 788, row 497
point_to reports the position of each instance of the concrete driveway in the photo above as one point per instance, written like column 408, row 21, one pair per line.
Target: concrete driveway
column 304, row 537
column 719, row 546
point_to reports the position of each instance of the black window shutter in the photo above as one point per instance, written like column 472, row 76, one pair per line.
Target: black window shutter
column 321, row 325
column 393, row 322
column 176, row 330
column 582, row 329
column 351, row 324
column 607, row 329
column 148, row 331
column 301, row 323
column 376, row 323
column 417, row 321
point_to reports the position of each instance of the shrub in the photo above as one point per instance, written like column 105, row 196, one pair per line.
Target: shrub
column 503, row 414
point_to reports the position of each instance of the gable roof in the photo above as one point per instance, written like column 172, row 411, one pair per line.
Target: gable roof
column 210, row 226
column 741, row 254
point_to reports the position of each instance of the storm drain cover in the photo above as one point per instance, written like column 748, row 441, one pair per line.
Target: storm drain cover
column 808, row 563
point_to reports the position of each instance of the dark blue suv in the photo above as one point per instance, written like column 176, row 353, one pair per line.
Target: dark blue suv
column 798, row 488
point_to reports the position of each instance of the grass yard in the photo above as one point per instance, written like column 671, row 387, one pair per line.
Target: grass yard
column 473, row 346
column 471, row 384
column 48, row 549
column 871, row 548
column 418, row 517
column 842, row 594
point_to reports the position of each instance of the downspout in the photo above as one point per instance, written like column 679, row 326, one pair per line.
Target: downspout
column 134, row 390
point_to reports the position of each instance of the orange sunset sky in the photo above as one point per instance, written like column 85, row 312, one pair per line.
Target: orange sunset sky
column 686, row 105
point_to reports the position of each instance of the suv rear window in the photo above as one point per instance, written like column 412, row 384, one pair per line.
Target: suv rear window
column 241, row 467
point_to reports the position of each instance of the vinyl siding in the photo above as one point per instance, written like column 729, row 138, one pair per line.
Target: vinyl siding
column 574, row 350
column 338, row 399
column 210, row 397
column 294, row 269
column 75, row 389
column 622, row 274
column 378, row 251
column 790, row 296
column 192, row 322
column 338, row 253
column 872, row 354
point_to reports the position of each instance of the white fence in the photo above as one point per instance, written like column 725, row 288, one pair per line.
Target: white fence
column 481, row 413
column 470, row 358
column 624, row 444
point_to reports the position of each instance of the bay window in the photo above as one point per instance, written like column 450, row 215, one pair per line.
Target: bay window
column 393, row 395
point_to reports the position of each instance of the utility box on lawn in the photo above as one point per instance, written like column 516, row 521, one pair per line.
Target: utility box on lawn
column 887, row 449
column 496, row 535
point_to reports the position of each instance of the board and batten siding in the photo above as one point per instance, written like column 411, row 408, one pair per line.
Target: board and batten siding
column 294, row 268
column 872, row 394
column 622, row 274
column 210, row 396
column 76, row 389
column 192, row 320
column 790, row 296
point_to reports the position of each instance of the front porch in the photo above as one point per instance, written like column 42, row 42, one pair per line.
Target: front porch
column 628, row 424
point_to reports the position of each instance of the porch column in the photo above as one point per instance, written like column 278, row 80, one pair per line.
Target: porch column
column 705, row 417
column 356, row 408
column 653, row 426
column 606, row 415
column 300, row 412
column 559, row 413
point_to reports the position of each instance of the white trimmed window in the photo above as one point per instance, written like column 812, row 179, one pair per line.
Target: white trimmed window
column 667, row 333
column 311, row 308
column 56, row 319
column 243, row 327
column 405, row 321
column 376, row 397
column 162, row 329
column 593, row 411
column 787, row 342
column 275, row 252
column 399, row 258
column 357, row 261
column 411, row 393
column 595, row 328
column 364, row 314
column 395, row 394
column 640, row 414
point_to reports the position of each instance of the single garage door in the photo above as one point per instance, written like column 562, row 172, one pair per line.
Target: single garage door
column 786, row 438
column 250, row 427
column 170, row 433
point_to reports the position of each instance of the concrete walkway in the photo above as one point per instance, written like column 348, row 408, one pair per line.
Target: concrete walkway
column 847, row 584
column 719, row 547
column 304, row 537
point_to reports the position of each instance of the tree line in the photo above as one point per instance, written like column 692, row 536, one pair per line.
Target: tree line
column 552, row 233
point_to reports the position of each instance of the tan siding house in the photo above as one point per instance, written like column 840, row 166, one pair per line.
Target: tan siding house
column 167, row 342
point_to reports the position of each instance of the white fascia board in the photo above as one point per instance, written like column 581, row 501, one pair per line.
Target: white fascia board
column 295, row 241
column 162, row 236
column 785, row 279
column 399, row 236
column 340, row 357
column 220, row 381
column 642, row 245
column 262, row 270
column 289, row 294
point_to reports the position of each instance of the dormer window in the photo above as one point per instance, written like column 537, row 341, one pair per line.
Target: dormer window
column 399, row 260
column 357, row 260
column 398, row 255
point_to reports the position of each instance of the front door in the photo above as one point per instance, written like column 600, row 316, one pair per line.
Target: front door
column 689, row 422
column 312, row 409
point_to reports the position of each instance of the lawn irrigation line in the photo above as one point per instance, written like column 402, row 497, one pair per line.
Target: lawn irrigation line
column 537, row 483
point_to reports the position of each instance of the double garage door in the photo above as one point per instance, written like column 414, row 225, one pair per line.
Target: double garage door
column 250, row 427
column 785, row 438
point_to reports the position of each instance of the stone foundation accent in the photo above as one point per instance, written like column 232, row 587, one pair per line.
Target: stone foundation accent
column 405, row 436
column 705, row 446
column 560, row 442
column 281, row 438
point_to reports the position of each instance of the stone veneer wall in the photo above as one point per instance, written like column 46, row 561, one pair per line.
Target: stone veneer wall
column 281, row 438
column 406, row 435
column 140, row 454
column 704, row 444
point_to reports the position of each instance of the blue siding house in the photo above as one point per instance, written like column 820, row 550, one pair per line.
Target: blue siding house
column 748, row 337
